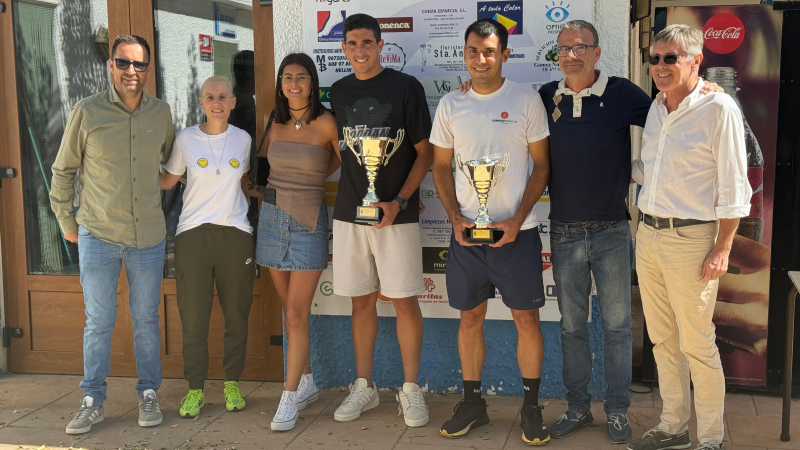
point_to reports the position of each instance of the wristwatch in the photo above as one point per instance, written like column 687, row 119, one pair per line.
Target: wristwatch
column 403, row 202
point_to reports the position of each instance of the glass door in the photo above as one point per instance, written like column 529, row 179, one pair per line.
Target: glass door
column 61, row 57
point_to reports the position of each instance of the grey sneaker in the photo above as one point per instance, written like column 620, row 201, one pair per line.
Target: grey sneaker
column 710, row 446
column 569, row 423
column 149, row 412
column 87, row 415
column 618, row 429
column 655, row 439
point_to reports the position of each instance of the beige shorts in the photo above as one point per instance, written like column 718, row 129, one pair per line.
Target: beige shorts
column 366, row 259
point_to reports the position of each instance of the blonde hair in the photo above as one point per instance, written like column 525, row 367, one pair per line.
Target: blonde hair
column 217, row 79
column 687, row 36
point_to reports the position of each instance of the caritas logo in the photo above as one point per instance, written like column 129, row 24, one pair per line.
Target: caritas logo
column 723, row 33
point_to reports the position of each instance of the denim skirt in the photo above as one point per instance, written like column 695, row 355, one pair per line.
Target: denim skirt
column 283, row 243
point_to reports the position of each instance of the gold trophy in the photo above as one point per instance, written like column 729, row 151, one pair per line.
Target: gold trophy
column 372, row 153
column 483, row 174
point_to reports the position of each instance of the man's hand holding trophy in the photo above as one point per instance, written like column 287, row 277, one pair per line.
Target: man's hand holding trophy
column 482, row 174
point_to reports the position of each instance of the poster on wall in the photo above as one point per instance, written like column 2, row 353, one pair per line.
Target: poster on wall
column 740, row 44
column 425, row 39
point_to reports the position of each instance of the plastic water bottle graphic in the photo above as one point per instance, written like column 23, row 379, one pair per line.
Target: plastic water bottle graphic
column 752, row 226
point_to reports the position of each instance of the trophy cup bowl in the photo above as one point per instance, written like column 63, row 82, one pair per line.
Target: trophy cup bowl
column 372, row 153
column 482, row 175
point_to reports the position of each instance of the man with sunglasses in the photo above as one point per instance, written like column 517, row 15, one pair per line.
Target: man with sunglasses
column 693, row 172
column 118, row 139
column 590, row 115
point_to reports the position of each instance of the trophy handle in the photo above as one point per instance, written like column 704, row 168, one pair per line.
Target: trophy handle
column 395, row 144
column 351, row 142
column 504, row 165
column 461, row 168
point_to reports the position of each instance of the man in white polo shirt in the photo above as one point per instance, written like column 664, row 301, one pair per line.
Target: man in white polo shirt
column 694, row 175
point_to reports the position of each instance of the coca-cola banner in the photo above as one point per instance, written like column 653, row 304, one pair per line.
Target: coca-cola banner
column 741, row 53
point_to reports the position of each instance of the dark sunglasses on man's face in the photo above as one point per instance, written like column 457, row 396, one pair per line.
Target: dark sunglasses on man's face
column 669, row 58
column 123, row 64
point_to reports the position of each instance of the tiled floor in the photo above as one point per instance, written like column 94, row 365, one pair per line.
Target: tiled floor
column 34, row 409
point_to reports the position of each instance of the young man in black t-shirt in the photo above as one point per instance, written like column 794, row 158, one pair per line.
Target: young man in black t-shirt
column 385, row 257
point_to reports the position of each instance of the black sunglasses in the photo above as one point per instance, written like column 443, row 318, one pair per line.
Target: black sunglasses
column 123, row 64
column 669, row 58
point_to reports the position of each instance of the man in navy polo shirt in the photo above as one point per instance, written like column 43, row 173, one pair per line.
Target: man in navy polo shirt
column 590, row 115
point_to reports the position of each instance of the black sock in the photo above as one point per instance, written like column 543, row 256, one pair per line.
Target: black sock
column 472, row 390
column 531, row 386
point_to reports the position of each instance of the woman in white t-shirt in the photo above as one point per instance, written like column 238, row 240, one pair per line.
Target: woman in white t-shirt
column 214, row 242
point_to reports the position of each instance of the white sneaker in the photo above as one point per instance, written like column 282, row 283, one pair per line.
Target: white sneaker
column 362, row 398
column 412, row 405
column 307, row 392
column 286, row 415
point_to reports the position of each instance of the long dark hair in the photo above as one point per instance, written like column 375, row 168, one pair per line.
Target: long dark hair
column 282, row 114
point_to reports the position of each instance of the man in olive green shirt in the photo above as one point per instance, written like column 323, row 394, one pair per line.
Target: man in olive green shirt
column 118, row 139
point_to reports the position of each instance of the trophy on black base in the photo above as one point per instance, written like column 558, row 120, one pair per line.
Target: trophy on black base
column 483, row 174
column 372, row 153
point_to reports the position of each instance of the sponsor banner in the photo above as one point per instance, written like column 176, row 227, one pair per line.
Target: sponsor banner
column 732, row 36
column 396, row 24
column 425, row 39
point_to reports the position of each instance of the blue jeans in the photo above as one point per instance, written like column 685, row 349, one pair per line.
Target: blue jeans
column 604, row 250
column 100, row 264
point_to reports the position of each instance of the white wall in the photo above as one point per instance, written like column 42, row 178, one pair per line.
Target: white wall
column 179, row 24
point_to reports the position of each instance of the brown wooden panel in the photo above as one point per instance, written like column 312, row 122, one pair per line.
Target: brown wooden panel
column 119, row 20
column 12, row 219
column 142, row 24
column 216, row 330
column 57, row 322
column 264, row 50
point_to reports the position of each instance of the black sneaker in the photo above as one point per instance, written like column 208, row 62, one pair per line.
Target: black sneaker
column 655, row 439
column 533, row 430
column 469, row 414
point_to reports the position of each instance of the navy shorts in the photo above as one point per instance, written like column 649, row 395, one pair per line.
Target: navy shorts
column 515, row 269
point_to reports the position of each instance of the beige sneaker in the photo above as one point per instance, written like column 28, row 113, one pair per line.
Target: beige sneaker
column 362, row 398
column 412, row 405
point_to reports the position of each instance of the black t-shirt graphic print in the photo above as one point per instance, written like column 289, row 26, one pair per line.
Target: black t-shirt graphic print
column 390, row 100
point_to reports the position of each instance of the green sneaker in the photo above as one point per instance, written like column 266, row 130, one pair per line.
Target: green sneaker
column 233, row 397
column 191, row 404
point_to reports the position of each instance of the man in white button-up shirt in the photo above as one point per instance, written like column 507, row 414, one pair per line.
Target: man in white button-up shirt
column 693, row 172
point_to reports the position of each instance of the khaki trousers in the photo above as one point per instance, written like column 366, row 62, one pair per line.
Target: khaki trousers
column 203, row 255
column 678, row 306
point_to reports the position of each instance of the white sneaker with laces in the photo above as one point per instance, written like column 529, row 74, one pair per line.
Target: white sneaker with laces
column 307, row 392
column 286, row 416
column 412, row 405
column 362, row 398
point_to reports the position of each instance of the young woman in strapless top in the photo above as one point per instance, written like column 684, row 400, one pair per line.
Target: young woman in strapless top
column 293, row 233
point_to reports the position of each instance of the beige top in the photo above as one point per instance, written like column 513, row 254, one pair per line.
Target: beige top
column 119, row 153
column 297, row 172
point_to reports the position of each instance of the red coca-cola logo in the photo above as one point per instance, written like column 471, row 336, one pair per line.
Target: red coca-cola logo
column 504, row 115
column 723, row 33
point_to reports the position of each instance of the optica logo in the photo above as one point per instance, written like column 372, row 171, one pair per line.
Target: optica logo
column 723, row 33
column 557, row 13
